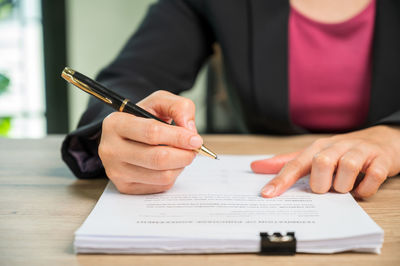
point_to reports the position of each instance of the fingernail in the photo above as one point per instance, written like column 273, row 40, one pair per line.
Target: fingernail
column 268, row 190
column 191, row 125
column 196, row 141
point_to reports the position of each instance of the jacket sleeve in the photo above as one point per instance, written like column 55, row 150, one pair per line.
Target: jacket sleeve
column 166, row 52
column 392, row 119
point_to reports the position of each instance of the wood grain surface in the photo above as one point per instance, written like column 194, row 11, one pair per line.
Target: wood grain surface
column 42, row 204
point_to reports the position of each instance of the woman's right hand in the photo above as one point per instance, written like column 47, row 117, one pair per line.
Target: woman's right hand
column 143, row 156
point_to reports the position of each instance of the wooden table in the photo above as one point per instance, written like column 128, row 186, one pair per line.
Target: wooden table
column 42, row 204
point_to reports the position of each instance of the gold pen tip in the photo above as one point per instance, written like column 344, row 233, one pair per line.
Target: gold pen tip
column 203, row 150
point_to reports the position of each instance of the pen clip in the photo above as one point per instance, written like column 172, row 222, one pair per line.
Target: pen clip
column 68, row 73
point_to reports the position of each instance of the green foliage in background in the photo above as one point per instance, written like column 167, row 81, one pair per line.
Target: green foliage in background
column 5, row 126
column 5, row 122
column 6, row 7
column 4, row 83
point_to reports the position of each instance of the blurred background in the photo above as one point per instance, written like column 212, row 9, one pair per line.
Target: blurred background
column 39, row 37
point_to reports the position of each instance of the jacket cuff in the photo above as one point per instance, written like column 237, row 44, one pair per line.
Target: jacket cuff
column 79, row 151
column 392, row 119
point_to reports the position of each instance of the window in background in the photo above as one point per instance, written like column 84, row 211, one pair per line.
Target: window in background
column 22, row 99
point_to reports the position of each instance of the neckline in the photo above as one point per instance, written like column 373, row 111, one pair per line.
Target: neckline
column 346, row 22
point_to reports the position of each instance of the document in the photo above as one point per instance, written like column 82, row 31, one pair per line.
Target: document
column 215, row 207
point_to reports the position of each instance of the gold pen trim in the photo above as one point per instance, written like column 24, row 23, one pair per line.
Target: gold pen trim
column 122, row 107
column 68, row 73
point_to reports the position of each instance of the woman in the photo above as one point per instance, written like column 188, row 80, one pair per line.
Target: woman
column 303, row 66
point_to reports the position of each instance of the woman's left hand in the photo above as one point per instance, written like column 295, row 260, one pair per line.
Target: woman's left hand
column 336, row 162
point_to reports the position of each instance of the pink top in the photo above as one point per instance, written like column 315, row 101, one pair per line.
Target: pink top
column 330, row 71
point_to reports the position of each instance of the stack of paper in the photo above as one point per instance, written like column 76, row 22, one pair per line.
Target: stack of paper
column 215, row 207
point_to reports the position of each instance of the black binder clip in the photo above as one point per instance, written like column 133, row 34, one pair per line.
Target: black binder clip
column 278, row 244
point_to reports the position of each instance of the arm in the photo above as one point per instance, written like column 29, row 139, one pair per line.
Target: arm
column 166, row 52
column 337, row 162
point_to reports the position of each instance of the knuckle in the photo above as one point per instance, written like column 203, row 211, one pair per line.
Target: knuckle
column 361, row 193
column 112, row 173
column 164, row 92
column 105, row 151
column 323, row 160
column 377, row 174
column 182, row 138
column 366, row 145
column 152, row 133
column 191, row 157
column 318, row 189
column 349, row 163
column 167, row 177
column 160, row 159
column 369, row 146
column 341, row 189
column 187, row 104
column 320, row 142
column 319, row 185
column 294, row 164
column 188, row 158
column 280, row 181
column 160, row 93
column 109, row 121
column 123, row 188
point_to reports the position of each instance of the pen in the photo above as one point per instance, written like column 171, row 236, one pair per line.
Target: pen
column 118, row 102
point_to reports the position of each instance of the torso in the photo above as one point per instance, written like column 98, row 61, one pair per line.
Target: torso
column 330, row 66
column 246, row 51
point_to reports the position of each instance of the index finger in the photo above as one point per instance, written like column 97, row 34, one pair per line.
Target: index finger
column 171, row 107
column 272, row 165
column 291, row 172
column 152, row 132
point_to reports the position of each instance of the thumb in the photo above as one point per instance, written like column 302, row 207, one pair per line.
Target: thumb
column 169, row 106
column 272, row 165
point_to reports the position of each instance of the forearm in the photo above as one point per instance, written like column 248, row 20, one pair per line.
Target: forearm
column 165, row 53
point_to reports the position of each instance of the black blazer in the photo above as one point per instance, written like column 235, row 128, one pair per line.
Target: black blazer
column 176, row 38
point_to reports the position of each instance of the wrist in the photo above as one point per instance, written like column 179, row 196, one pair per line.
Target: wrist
column 391, row 135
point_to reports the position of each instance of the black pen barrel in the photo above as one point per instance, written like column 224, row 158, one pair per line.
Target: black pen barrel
column 133, row 109
column 118, row 102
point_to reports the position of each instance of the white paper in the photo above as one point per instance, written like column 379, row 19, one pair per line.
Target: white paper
column 215, row 206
